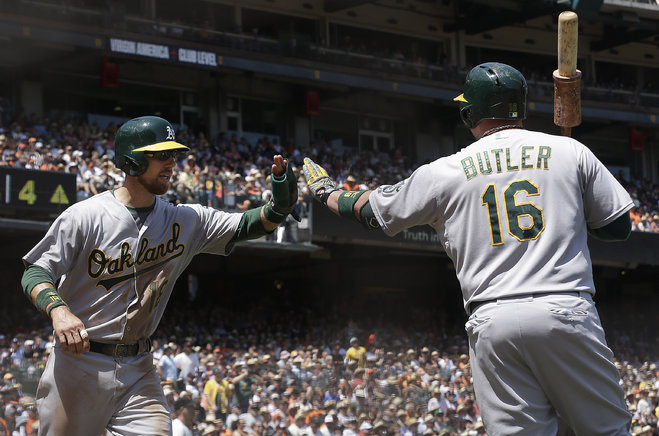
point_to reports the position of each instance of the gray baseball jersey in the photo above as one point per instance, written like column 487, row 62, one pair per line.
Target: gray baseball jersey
column 510, row 189
column 117, row 279
column 511, row 210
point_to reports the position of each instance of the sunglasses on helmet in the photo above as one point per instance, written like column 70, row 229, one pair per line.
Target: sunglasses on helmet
column 166, row 155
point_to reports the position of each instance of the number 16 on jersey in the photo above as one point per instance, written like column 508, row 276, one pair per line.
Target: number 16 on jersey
column 525, row 221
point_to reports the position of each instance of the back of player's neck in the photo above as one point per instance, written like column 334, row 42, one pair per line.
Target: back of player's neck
column 487, row 127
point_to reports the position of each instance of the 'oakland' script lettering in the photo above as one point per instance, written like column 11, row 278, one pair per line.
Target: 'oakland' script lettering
column 99, row 262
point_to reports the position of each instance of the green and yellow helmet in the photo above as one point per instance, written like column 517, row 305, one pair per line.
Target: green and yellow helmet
column 140, row 135
column 493, row 91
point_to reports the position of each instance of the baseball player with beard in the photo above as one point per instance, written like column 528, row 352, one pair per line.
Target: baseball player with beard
column 115, row 258
column 513, row 211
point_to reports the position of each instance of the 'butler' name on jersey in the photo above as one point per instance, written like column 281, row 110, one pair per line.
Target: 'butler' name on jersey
column 155, row 256
column 530, row 157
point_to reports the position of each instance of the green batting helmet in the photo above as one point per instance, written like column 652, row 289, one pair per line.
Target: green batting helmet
column 139, row 135
column 493, row 91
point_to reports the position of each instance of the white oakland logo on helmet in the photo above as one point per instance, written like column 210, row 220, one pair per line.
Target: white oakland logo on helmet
column 170, row 133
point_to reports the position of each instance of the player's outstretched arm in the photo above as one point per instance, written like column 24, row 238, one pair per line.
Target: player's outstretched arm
column 260, row 221
column 353, row 205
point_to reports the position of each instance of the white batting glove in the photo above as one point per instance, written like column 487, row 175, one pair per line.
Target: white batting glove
column 319, row 182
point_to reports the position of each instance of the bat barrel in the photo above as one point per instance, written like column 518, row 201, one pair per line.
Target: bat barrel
column 568, row 36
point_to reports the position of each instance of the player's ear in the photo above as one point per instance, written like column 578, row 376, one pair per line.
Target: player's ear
column 135, row 168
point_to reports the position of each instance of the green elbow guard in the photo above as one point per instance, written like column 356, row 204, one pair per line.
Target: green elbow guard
column 617, row 230
column 32, row 276
column 367, row 217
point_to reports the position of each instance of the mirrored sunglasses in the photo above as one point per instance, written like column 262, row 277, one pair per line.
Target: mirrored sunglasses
column 166, row 154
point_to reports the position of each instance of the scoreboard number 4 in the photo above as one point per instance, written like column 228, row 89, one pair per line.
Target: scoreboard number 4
column 28, row 193
column 525, row 220
column 38, row 193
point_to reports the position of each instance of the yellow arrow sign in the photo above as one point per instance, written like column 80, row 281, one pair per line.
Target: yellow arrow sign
column 59, row 196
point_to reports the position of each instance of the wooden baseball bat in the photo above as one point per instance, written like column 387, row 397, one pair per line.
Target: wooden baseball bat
column 567, row 79
column 568, row 42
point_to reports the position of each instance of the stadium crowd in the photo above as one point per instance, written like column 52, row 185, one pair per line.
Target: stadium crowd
column 225, row 172
column 297, row 372
column 288, row 374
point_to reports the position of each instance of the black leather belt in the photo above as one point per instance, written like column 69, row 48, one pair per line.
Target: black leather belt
column 121, row 350
column 476, row 304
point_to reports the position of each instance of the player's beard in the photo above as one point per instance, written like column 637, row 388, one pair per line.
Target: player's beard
column 155, row 186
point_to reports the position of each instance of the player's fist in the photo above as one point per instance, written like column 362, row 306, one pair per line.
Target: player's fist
column 279, row 166
column 320, row 183
column 69, row 330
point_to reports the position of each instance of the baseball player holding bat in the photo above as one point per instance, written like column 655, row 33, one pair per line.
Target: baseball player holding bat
column 115, row 258
column 513, row 211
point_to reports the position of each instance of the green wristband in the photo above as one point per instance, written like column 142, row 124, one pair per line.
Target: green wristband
column 272, row 215
column 280, row 190
column 347, row 201
column 47, row 300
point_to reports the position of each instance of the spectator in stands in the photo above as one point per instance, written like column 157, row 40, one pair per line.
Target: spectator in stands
column 351, row 184
column 186, row 360
column 355, row 355
column 166, row 364
column 654, row 224
column 239, row 429
column 183, row 422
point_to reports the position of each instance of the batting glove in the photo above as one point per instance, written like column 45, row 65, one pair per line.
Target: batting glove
column 320, row 183
column 284, row 197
